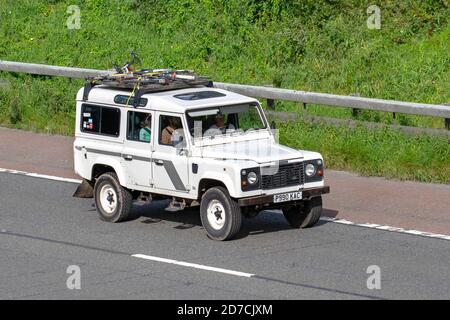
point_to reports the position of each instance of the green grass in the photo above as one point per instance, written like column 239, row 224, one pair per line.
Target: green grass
column 321, row 46
column 382, row 152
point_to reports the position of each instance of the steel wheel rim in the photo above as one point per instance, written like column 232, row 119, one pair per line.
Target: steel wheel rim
column 108, row 199
column 216, row 214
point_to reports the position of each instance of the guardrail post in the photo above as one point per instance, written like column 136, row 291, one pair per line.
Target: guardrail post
column 447, row 120
column 270, row 102
column 355, row 111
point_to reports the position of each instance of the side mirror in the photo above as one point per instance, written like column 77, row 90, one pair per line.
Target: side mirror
column 182, row 152
column 180, row 145
column 273, row 125
column 178, row 140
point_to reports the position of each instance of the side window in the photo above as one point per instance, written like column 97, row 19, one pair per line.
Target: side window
column 100, row 120
column 139, row 126
column 90, row 119
column 127, row 100
column 170, row 131
column 110, row 121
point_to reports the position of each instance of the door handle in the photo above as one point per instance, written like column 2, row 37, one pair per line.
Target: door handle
column 127, row 157
column 159, row 162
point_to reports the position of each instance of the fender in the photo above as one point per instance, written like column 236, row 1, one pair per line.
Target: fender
column 113, row 163
column 225, row 179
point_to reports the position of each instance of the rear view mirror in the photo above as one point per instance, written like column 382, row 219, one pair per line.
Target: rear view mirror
column 273, row 125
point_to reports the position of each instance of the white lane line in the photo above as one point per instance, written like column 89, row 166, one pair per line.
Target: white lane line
column 38, row 175
column 193, row 265
column 388, row 228
column 334, row 220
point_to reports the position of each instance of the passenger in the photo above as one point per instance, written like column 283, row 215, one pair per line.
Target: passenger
column 166, row 135
column 145, row 132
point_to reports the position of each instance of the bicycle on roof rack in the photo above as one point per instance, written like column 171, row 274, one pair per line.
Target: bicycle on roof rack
column 146, row 80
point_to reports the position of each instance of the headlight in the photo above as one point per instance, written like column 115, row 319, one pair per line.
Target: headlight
column 313, row 170
column 252, row 178
column 310, row 169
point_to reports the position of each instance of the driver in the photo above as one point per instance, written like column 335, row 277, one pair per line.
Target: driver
column 219, row 127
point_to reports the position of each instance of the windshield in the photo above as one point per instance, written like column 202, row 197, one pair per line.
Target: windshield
column 223, row 120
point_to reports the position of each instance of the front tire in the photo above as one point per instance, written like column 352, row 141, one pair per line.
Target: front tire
column 113, row 202
column 220, row 214
column 305, row 217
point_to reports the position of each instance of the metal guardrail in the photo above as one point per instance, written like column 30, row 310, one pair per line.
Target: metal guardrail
column 47, row 70
column 269, row 93
column 423, row 109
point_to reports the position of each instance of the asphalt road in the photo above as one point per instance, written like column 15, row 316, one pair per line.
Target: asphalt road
column 43, row 230
column 409, row 205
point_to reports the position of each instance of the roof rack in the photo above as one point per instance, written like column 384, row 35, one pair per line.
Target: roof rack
column 145, row 81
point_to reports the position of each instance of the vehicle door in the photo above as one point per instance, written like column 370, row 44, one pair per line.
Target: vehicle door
column 170, row 156
column 137, row 151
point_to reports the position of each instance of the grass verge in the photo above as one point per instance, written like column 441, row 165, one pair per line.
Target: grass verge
column 373, row 152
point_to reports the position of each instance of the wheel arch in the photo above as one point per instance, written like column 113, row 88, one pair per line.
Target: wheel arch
column 208, row 183
column 102, row 167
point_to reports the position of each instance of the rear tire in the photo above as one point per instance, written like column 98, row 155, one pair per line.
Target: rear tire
column 113, row 202
column 220, row 214
column 305, row 217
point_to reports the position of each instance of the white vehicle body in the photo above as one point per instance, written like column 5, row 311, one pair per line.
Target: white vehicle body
column 185, row 173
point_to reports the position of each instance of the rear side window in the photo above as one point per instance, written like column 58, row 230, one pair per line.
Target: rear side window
column 100, row 120
column 139, row 126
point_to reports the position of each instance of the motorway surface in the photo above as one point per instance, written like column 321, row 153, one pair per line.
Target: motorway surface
column 43, row 230
column 410, row 205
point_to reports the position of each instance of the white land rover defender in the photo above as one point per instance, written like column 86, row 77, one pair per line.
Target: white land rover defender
column 195, row 145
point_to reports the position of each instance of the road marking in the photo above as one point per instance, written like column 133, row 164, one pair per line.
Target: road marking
column 247, row 275
column 334, row 220
column 193, row 265
column 38, row 175
column 387, row 228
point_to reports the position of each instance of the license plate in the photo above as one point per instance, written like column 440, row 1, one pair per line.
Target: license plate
column 289, row 196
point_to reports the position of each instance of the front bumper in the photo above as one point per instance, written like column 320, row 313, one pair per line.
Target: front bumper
column 267, row 200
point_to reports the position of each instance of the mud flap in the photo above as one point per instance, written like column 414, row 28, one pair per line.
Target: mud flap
column 84, row 190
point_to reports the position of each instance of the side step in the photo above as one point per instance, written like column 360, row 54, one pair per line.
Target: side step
column 144, row 198
column 176, row 205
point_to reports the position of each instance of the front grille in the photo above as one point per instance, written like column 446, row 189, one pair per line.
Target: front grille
column 287, row 175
